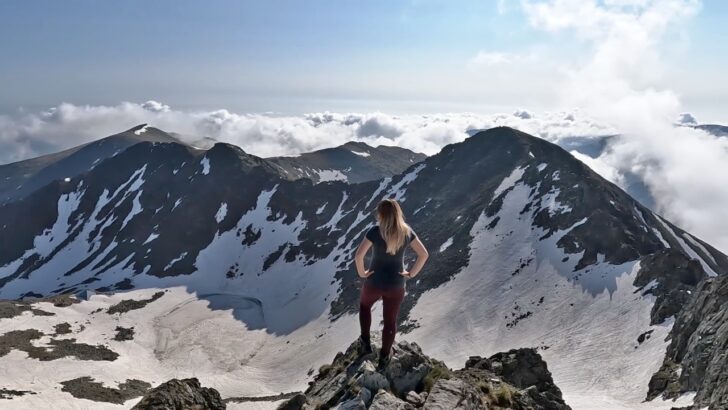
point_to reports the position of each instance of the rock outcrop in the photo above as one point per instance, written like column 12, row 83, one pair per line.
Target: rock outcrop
column 518, row 379
column 697, row 357
column 671, row 277
column 177, row 394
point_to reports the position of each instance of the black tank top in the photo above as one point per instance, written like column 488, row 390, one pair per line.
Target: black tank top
column 386, row 267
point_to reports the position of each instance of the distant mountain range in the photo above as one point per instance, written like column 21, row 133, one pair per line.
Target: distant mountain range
column 352, row 162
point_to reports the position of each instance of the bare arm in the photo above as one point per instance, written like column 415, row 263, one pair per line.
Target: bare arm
column 359, row 258
column 422, row 256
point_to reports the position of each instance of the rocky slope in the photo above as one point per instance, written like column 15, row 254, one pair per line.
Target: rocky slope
column 518, row 379
column 352, row 162
column 697, row 357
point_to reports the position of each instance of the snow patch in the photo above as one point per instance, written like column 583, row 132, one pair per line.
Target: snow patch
column 331, row 224
column 509, row 181
column 141, row 130
column 326, row 175
column 135, row 210
column 205, row 162
column 221, row 212
column 152, row 236
column 175, row 260
column 398, row 189
column 361, row 154
column 446, row 244
column 422, row 207
column 320, row 209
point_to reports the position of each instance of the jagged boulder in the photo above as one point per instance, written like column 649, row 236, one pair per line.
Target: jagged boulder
column 452, row 394
column 186, row 394
column 523, row 368
column 408, row 368
column 385, row 400
column 518, row 379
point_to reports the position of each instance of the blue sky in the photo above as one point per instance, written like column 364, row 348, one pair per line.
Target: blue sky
column 301, row 56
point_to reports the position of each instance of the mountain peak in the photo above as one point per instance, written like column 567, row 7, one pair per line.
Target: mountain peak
column 144, row 132
column 507, row 134
column 139, row 128
column 356, row 145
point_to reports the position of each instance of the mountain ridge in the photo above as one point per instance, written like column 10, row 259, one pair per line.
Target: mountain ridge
column 510, row 219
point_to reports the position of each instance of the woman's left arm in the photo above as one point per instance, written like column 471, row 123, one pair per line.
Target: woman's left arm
column 422, row 256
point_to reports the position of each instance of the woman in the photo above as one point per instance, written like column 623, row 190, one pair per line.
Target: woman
column 386, row 275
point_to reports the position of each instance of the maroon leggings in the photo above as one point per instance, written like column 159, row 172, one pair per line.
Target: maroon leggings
column 391, row 299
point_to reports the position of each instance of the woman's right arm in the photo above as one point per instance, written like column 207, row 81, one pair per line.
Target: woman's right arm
column 361, row 251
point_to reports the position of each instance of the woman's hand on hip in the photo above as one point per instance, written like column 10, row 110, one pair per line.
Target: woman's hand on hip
column 366, row 274
column 406, row 274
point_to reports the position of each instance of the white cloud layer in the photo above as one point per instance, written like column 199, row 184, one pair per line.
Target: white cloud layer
column 67, row 125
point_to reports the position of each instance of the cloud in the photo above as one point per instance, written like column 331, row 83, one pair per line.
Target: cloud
column 683, row 168
column 490, row 58
column 523, row 114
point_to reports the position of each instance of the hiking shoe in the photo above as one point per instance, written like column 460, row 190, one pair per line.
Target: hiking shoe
column 383, row 361
column 365, row 346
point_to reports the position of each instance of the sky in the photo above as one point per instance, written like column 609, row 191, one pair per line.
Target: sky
column 295, row 57
column 284, row 77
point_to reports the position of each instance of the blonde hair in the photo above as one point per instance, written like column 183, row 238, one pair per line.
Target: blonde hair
column 392, row 226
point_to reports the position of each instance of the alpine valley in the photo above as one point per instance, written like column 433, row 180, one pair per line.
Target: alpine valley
column 138, row 259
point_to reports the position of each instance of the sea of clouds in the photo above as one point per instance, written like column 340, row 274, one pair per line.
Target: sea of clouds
column 681, row 168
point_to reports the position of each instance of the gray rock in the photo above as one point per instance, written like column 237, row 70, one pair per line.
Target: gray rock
column 365, row 395
column 385, row 400
column 330, row 389
column 453, row 394
column 416, row 398
column 370, row 378
column 353, row 404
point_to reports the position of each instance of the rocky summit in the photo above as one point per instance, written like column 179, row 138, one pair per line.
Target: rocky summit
column 518, row 379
